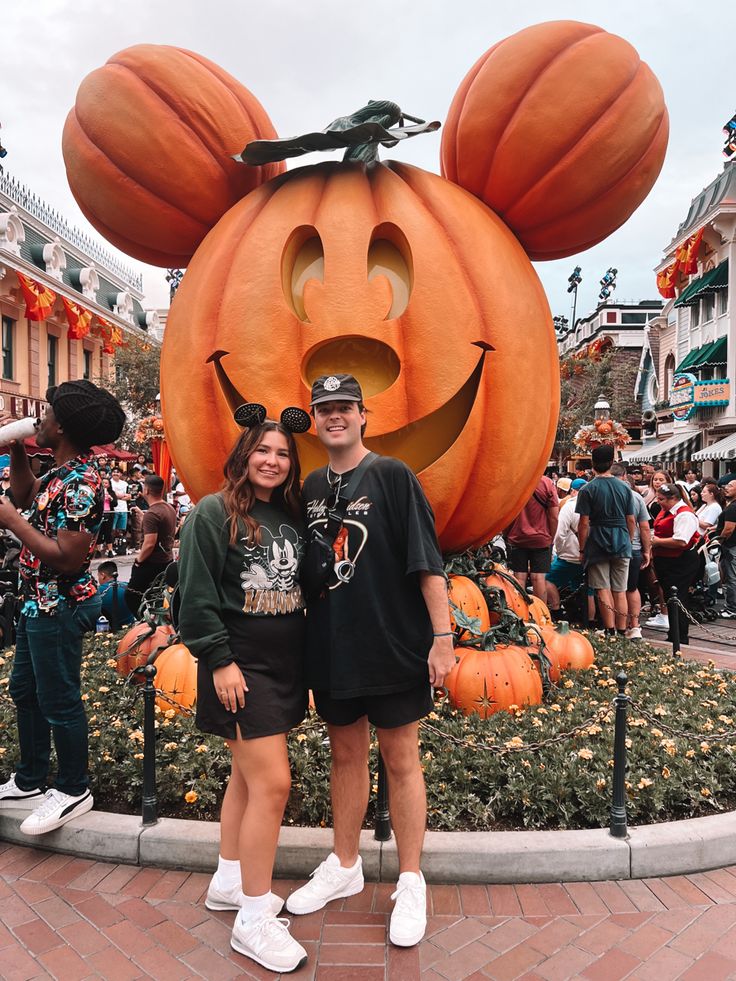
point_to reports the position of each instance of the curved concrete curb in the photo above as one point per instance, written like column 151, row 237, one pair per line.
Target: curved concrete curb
column 674, row 848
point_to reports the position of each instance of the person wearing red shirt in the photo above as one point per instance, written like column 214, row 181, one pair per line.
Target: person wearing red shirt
column 531, row 535
column 676, row 559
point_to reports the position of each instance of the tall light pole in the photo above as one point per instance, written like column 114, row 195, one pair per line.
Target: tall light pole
column 574, row 280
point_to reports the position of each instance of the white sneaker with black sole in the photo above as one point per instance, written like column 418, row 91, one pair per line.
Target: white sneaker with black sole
column 226, row 899
column 660, row 622
column 267, row 941
column 328, row 881
column 56, row 810
column 20, row 800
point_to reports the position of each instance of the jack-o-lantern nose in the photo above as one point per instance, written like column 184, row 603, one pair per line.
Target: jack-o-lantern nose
column 374, row 364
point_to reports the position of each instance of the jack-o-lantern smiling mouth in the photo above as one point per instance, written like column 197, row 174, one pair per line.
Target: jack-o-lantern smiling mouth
column 419, row 444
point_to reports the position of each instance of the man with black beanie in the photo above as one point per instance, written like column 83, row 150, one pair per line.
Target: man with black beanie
column 59, row 600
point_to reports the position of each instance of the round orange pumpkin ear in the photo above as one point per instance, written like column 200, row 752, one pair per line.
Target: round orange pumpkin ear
column 148, row 150
column 561, row 129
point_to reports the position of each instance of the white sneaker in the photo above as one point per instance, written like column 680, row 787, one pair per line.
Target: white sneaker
column 409, row 916
column 56, row 809
column 634, row 633
column 661, row 620
column 21, row 800
column 267, row 941
column 225, row 899
column 328, row 881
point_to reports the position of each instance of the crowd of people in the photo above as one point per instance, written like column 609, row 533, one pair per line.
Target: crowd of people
column 615, row 535
column 336, row 585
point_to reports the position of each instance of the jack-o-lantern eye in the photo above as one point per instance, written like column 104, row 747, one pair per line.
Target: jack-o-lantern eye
column 303, row 259
column 389, row 255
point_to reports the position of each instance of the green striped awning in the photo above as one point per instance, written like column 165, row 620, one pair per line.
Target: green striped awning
column 688, row 361
column 712, row 281
column 711, row 355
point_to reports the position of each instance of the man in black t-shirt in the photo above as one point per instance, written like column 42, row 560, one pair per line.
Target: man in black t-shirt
column 377, row 640
column 159, row 525
column 726, row 531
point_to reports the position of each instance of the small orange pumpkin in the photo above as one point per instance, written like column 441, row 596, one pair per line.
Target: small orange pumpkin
column 148, row 150
column 488, row 681
column 465, row 595
column 566, row 649
column 539, row 612
column 138, row 644
column 561, row 129
column 176, row 678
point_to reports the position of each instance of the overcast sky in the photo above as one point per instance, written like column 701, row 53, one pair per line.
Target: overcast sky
column 309, row 61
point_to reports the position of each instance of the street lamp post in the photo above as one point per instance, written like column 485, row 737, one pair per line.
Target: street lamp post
column 602, row 409
column 574, row 280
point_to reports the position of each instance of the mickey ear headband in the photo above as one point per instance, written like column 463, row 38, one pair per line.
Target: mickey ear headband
column 252, row 414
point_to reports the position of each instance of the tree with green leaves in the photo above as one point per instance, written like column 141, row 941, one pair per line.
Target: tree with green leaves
column 136, row 384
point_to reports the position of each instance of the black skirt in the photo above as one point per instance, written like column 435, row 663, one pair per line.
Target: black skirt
column 269, row 651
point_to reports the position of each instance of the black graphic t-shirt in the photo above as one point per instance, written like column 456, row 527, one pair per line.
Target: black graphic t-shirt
column 220, row 581
column 371, row 635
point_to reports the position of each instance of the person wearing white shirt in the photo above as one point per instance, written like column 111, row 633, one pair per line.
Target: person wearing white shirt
column 676, row 559
column 710, row 510
column 120, row 514
column 566, row 571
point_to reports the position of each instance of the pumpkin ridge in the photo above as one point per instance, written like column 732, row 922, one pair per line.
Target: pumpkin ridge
column 449, row 134
column 154, row 89
column 587, row 137
column 126, row 178
column 522, row 97
column 173, row 261
column 192, row 55
column 597, row 198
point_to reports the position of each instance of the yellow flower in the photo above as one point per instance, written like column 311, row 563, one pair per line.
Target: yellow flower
column 526, row 763
column 137, row 756
column 585, row 754
column 666, row 772
column 96, row 733
column 555, row 708
column 170, row 746
column 169, row 713
column 660, row 710
column 85, row 697
column 136, row 736
column 542, row 711
column 689, row 754
column 657, row 733
column 111, row 662
column 705, row 747
column 600, row 784
column 301, row 737
column 514, row 743
column 644, row 782
column 3, row 751
column 726, row 719
column 568, row 683
column 191, row 796
column 636, row 723
column 202, row 748
column 104, row 689
column 687, row 692
column 704, row 792
column 593, row 730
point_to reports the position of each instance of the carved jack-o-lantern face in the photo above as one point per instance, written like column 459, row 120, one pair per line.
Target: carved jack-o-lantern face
column 400, row 278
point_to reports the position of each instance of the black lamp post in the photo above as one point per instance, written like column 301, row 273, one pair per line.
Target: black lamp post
column 574, row 280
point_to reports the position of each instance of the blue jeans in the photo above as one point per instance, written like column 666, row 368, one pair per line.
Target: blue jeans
column 45, row 686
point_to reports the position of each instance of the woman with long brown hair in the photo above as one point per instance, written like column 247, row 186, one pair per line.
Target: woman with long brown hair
column 242, row 616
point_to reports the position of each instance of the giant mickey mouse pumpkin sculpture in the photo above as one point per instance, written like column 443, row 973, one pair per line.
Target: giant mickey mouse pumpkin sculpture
column 411, row 283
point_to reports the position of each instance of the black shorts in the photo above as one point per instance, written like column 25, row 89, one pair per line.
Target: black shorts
column 634, row 570
column 530, row 559
column 383, row 711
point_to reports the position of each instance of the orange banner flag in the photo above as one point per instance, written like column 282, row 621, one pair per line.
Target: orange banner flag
column 39, row 299
column 78, row 318
column 690, row 265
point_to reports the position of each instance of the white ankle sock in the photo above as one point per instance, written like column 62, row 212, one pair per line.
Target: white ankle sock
column 335, row 862
column 228, row 872
column 253, row 906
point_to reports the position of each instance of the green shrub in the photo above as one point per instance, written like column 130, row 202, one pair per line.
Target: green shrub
column 565, row 783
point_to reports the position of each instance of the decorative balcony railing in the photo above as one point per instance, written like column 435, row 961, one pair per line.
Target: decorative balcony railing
column 52, row 219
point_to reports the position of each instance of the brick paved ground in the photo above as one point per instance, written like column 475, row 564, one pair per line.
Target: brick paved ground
column 71, row 919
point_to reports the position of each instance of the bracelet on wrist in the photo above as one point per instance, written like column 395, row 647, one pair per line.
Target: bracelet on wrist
column 447, row 633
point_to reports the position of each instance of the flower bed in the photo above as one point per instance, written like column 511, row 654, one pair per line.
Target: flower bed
column 564, row 784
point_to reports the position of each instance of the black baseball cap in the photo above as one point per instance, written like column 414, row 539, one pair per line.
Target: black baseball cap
column 336, row 388
column 726, row 479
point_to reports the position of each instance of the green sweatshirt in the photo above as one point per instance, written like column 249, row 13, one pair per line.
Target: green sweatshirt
column 219, row 581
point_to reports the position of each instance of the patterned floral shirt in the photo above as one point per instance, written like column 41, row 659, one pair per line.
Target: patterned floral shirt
column 69, row 498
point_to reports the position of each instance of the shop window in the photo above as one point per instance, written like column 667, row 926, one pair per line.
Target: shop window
column 52, row 350
column 709, row 306
column 8, row 339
